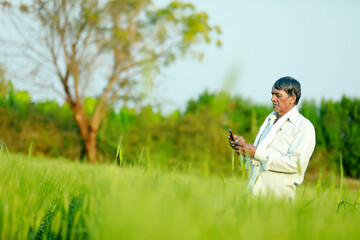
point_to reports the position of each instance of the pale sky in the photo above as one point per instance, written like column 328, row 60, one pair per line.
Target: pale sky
column 317, row 42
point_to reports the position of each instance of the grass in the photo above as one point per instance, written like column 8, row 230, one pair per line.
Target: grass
column 53, row 199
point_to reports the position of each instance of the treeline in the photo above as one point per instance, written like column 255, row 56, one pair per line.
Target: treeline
column 195, row 139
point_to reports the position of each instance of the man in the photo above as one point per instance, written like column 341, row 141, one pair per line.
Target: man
column 283, row 146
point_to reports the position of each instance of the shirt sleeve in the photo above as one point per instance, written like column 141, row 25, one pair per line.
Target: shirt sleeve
column 293, row 160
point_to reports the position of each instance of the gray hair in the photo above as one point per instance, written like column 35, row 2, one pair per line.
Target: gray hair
column 290, row 85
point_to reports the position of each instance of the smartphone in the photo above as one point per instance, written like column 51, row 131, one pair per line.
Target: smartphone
column 231, row 135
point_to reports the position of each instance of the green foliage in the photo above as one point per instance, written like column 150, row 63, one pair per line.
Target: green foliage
column 337, row 126
column 90, row 105
column 51, row 127
column 187, row 140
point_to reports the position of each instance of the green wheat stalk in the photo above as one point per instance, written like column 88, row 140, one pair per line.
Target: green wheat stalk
column 341, row 178
column 148, row 156
column 172, row 174
column 243, row 171
column 318, row 185
column 332, row 186
column 119, row 153
column 232, row 162
column 7, row 152
column 31, row 150
column 1, row 149
column 206, row 169
column 299, row 167
column 141, row 156
column 222, row 178
column 358, row 198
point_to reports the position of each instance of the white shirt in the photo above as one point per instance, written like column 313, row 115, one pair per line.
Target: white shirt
column 280, row 165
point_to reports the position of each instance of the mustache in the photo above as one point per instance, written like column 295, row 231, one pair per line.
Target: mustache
column 275, row 104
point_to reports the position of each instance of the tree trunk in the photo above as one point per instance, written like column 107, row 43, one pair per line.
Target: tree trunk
column 87, row 133
column 90, row 146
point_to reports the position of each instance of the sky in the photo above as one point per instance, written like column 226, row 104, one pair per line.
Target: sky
column 316, row 42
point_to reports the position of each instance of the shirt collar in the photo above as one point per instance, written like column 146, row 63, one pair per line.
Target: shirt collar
column 290, row 115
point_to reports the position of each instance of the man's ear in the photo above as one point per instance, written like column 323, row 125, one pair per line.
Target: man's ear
column 293, row 99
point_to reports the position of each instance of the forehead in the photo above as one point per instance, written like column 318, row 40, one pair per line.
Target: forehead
column 276, row 91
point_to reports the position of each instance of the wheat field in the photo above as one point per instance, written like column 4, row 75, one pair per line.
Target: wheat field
column 44, row 198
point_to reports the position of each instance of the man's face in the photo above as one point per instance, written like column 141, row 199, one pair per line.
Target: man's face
column 282, row 102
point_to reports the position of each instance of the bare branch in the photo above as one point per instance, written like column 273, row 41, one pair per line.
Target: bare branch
column 52, row 88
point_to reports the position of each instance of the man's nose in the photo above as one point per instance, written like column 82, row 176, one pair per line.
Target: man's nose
column 273, row 98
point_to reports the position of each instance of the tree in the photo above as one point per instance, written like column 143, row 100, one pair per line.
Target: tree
column 107, row 45
column 4, row 85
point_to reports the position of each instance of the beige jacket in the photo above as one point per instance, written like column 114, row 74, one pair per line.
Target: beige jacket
column 280, row 165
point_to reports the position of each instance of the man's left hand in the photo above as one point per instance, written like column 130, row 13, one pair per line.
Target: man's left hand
column 246, row 149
